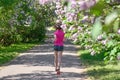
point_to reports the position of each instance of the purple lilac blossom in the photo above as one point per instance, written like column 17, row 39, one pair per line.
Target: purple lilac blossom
column 63, row 26
column 44, row 1
column 93, row 53
column 118, row 57
column 71, row 28
column 82, row 5
column 86, row 4
column 104, row 42
column 85, row 19
column 118, row 31
column 74, row 36
column 79, row 28
column 73, row 4
column 100, row 37
column 90, row 3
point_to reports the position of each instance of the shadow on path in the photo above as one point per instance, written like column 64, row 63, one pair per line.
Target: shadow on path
column 38, row 65
column 43, row 55
column 46, row 75
column 45, row 60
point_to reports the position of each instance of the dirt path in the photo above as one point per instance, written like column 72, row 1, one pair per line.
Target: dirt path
column 37, row 64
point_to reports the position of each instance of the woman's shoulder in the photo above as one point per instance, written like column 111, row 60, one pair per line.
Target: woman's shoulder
column 56, row 32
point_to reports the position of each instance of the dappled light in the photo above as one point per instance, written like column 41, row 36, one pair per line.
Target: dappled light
column 38, row 63
column 45, row 75
column 33, row 31
column 42, row 55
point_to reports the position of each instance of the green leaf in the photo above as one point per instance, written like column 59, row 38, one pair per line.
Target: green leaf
column 111, row 17
column 110, row 43
column 116, row 25
column 106, row 54
column 106, row 58
column 108, row 1
column 97, row 28
column 111, row 58
column 7, row 3
column 113, row 51
column 98, row 8
column 118, row 53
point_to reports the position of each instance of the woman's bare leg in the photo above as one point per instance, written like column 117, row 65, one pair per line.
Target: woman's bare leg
column 56, row 59
column 59, row 58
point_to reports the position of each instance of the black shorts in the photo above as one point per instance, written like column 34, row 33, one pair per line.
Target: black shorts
column 58, row 48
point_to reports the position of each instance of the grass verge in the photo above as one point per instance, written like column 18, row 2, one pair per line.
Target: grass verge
column 10, row 52
column 97, row 69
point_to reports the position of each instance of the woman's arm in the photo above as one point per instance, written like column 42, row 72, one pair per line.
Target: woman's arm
column 54, row 37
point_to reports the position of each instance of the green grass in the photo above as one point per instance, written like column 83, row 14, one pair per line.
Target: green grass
column 97, row 69
column 10, row 52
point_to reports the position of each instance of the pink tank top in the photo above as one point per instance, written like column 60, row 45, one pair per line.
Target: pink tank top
column 59, row 37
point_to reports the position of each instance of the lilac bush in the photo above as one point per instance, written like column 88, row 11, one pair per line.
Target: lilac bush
column 94, row 24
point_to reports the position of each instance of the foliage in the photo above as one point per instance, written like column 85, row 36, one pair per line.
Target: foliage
column 92, row 24
column 97, row 69
column 23, row 21
column 5, row 14
column 10, row 52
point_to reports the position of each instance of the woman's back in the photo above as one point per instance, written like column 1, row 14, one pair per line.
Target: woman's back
column 59, row 37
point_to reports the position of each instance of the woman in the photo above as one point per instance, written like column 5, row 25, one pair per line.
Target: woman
column 58, row 46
